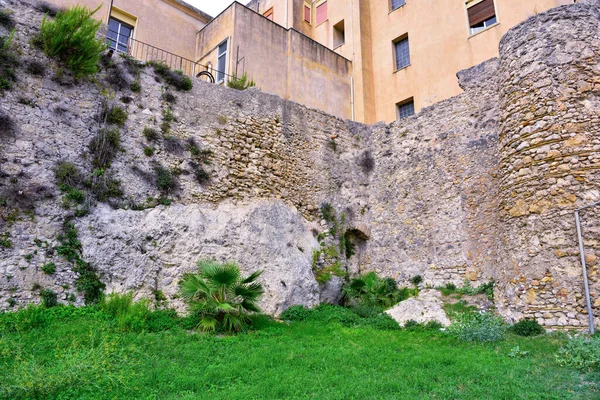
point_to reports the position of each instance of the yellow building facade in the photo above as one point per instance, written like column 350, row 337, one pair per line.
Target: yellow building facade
column 405, row 53
column 365, row 60
column 169, row 25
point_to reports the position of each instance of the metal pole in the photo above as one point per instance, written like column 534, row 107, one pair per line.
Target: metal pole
column 585, row 276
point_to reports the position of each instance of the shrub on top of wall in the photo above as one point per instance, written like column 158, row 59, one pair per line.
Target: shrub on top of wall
column 240, row 83
column 174, row 78
column 72, row 39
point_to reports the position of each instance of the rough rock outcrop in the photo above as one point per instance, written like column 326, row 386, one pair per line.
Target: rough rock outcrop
column 150, row 250
column 427, row 307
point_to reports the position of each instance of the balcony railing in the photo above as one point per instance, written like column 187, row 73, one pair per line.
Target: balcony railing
column 146, row 52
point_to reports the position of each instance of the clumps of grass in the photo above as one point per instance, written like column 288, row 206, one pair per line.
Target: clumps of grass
column 201, row 175
column 27, row 101
column 104, row 147
column 136, row 86
column 87, row 280
column 150, row 134
column 416, row 280
column 149, row 151
column 165, row 180
column 168, row 115
column 67, row 175
column 222, row 120
column 468, row 289
column 328, row 212
column 201, row 155
column 72, row 38
column 5, row 241
column 114, row 115
column 165, row 127
column 366, row 161
column 169, row 97
column 49, row 268
column 242, row 83
column 325, row 313
column 477, row 327
column 36, row 68
column 527, row 327
column 49, row 298
column 174, row 78
column 8, row 62
column 172, row 144
column 103, row 185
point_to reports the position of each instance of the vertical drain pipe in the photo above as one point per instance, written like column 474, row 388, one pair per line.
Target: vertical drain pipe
column 585, row 276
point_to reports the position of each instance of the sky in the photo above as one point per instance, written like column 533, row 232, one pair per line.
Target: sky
column 212, row 7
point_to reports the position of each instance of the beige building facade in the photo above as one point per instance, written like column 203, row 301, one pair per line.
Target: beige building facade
column 405, row 53
column 365, row 60
column 168, row 25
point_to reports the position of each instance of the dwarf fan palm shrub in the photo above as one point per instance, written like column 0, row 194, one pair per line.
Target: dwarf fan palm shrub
column 221, row 296
column 370, row 290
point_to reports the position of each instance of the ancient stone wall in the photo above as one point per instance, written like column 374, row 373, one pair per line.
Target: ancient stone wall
column 480, row 186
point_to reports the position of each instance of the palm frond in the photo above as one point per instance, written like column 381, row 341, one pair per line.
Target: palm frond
column 208, row 323
column 221, row 275
column 254, row 276
column 193, row 286
column 250, row 306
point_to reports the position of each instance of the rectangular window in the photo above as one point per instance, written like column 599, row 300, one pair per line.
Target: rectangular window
column 402, row 53
column 397, row 4
column 269, row 14
column 339, row 34
column 118, row 35
column 481, row 14
column 221, row 62
column 321, row 13
column 405, row 108
column 307, row 13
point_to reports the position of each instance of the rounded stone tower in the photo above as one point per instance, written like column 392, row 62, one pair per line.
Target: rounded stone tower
column 550, row 165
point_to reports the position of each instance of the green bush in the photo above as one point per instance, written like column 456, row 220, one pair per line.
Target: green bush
column 527, row 327
column 72, row 39
column 296, row 313
column 477, row 327
column 116, row 116
column 67, row 175
column 148, row 151
column 223, row 298
column 174, row 78
column 49, row 298
column 241, row 83
column 416, row 280
column 581, row 353
column 150, row 134
column 49, row 268
column 165, row 180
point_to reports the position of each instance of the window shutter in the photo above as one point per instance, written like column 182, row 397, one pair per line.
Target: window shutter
column 307, row 13
column 321, row 13
column 481, row 12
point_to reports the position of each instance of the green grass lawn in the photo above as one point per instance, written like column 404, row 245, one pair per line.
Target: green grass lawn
column 88, row 358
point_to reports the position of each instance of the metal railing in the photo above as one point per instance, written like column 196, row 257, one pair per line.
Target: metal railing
column 146, row 52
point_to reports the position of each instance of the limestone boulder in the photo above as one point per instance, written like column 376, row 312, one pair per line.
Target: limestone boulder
column 143, row 251
column 428, row 306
